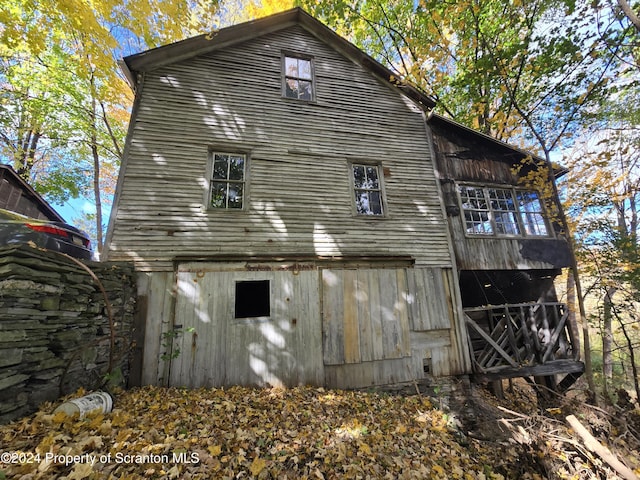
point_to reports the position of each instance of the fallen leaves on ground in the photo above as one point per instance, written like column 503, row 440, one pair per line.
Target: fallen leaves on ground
column 299, row 433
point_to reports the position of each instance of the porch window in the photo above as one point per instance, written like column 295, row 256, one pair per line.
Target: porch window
column 476, row 210
column 502, row 211
column 532, row 213
column 367, row 189
column 298, row 78
column 227, row 185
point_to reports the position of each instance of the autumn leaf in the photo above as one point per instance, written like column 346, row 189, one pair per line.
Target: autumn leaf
column 214, row 450
column 257, row 466
column 80, row 471
column 264, row 433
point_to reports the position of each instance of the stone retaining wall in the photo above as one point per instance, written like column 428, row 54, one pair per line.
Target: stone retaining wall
column 55, row 333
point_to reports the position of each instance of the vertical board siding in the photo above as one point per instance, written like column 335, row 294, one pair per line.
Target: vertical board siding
column 284, row 349
column 299, row 160
column 361, row 334
column 155, row 291
column 428, row 284
column 364, row 315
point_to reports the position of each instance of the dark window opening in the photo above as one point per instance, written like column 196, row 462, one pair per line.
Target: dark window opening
column 253, row 299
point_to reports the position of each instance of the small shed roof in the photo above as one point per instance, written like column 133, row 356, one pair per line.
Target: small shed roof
column 225, row 37
column 510, row 150
column 10, row 184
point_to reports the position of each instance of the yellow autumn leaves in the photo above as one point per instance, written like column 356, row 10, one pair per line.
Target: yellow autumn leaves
column 248, row 433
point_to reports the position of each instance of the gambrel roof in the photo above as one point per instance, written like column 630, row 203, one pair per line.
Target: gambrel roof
column 151, row 59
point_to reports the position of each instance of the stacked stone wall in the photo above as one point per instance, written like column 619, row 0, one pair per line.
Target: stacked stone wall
column 56, row 334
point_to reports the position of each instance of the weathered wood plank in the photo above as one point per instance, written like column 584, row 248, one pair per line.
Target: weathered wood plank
column 367, row 335
column 391, row 332
column 366, row 374
column 376, row 312
column 402, row 311
column 556, row 367
column 332, row 317
column 157, row 287
column 351, row 321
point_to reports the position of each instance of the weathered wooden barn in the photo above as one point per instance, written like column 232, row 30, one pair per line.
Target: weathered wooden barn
column 287, row 211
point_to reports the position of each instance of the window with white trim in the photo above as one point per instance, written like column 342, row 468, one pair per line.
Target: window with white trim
column 502, row 211
column 367, row 185
column 227, row 183
column 298, row 78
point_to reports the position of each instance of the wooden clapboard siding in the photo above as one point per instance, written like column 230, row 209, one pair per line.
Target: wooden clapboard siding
column 299, row 196
column 285, row 349
column 464, row 156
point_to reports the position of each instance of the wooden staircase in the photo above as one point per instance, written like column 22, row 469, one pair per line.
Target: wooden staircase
column 524, row 340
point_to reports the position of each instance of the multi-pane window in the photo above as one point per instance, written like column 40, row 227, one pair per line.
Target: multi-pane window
column 502, row 211
column 505, row 214
column 476, row 210
column 298, row 78
column 228, row 180
column 532, row 213
column 368, row 189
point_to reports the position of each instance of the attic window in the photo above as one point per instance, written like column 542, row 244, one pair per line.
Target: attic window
column 297, row 77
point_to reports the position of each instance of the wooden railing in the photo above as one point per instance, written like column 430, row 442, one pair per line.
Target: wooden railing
column 517, row 336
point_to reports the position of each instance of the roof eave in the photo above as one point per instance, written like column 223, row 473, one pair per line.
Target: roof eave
column 557, row 171
column 202, row 44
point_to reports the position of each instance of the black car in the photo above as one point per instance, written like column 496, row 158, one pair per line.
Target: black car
column 57, row 236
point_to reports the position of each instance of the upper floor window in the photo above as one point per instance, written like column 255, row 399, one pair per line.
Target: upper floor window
column 298, row 77
column 227, row 185
column 502, row 211
column 368, row 189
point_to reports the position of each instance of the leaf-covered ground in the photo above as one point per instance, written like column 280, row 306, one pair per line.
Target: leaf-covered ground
column 249, row 433
column 294, row 433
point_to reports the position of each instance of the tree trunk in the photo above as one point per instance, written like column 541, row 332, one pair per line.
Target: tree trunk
column 571, row 304
column 632, row 356
column 631, row 15
column 607, row 340
column 96, row 162
column 574, row 271
column 26, row 154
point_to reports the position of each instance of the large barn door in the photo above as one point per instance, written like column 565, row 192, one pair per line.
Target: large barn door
column 364, row 315
column 239, row 327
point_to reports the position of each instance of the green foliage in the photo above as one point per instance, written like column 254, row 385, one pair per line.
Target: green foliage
column 515, row 70
column 172, row 351
column 64, row 106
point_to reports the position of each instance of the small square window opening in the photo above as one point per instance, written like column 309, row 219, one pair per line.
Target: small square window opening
column 253, row 299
